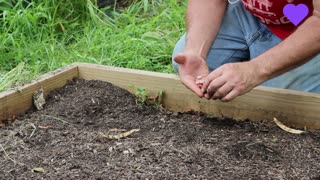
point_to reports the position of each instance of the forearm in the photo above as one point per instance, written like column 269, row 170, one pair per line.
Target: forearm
column 203, row 23
column 294, row 51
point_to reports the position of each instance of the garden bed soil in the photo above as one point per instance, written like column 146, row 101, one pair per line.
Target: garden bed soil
column 65, row 140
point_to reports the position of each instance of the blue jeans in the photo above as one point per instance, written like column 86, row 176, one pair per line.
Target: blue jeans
column 242, row 37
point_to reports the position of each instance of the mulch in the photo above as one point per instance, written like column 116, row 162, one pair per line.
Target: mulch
column 64, row 139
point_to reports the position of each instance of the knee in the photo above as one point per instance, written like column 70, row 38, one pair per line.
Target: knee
column 179, row 47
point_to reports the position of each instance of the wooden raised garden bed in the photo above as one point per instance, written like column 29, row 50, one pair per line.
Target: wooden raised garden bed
column 298, row 109
column 91, row 129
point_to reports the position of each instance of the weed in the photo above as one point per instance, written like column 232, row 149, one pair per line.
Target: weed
column 141, row 96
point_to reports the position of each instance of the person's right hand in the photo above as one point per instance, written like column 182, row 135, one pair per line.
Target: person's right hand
column 191, row 66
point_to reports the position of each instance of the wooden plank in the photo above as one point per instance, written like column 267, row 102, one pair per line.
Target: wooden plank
column 15, row 102
column 294, row 108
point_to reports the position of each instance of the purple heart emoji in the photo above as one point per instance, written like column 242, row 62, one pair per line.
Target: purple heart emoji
column 296, row 14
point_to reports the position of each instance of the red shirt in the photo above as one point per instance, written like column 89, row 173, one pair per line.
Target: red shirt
column 270, row 12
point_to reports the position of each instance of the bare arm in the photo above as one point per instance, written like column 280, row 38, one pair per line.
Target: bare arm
column 297, row 49
column 234, row 79
column 203, row 23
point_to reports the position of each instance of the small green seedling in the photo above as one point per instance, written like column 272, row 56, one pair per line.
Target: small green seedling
column 143, row 98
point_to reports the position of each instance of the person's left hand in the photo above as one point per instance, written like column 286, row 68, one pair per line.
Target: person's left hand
column 232, row 80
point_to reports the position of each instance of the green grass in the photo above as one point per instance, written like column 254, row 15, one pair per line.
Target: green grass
column 44, row 35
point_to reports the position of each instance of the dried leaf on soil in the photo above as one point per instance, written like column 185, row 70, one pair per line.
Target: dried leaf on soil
column 38, row 169
column 285, row 128
column 38, row 99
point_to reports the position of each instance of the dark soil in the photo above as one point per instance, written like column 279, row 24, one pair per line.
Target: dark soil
column 67, row 145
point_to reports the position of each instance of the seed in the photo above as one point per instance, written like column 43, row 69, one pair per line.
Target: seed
column 199, row 77
column 199, row 81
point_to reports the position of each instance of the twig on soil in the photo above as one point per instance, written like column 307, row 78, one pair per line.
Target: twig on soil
column 7, row 155
column 119, row 136
column 177, row 150
column 56, row 118
column 117, row 130
column 45, row 127
column 34, row 129
column 285, row 128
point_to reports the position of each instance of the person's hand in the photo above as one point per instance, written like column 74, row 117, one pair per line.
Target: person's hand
column 232, row 80
column 191, row 67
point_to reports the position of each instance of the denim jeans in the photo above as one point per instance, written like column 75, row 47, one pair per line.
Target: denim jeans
column 242, row 37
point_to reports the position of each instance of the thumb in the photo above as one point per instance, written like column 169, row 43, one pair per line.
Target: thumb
column 180, row 58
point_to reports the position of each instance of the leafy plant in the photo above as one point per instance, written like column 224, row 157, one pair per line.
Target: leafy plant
column 141, row 96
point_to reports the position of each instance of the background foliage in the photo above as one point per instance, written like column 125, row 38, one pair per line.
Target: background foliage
column 38, row 36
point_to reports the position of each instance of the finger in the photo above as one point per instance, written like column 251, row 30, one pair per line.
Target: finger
column 212, row 76
column 180, row 58
column 214, row 86
column 231, row 95
column 223, row 91
column 193, row 87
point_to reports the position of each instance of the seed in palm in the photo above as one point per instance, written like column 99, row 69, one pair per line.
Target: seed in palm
column 199, row 81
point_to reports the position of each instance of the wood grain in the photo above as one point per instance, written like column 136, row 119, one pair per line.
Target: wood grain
column 18, row 101
column 294, row 108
